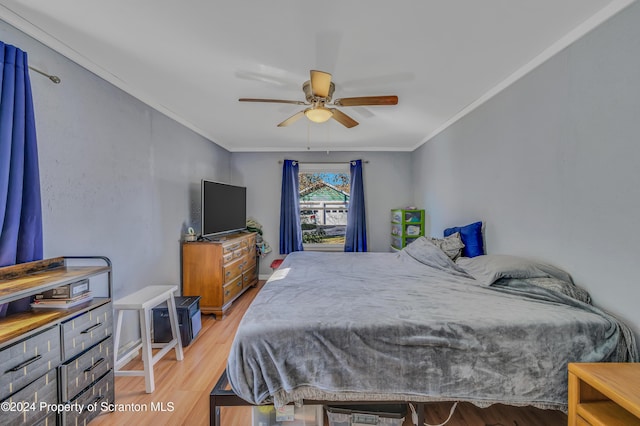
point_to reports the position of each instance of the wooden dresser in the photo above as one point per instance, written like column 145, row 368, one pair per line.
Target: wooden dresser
column 219, row 271
column 55, row 360
column 604, row 394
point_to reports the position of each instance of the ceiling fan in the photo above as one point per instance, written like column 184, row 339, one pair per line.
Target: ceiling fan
column 318, row 92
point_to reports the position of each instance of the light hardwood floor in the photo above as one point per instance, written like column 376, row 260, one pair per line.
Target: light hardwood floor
column 182, row 388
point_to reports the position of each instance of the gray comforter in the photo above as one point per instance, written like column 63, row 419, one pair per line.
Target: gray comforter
column 383, row 326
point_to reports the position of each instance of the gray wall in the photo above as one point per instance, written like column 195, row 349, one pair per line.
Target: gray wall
column 552, row 165
column 387, row 180
column 118, row 178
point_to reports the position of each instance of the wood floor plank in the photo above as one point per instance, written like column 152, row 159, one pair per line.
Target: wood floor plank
column 182, row 388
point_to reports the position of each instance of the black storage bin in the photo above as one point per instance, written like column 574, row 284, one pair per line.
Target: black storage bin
column 374, row 415
column 188, row 309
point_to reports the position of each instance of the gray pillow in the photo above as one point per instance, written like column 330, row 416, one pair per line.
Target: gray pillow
column 451, row 245
column 424, row 251
column 491, row 267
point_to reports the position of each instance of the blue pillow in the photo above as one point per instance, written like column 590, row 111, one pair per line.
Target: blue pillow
column 471, row 236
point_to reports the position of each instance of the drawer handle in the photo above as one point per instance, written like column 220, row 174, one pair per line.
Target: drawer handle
column 97, row 363
column 228, row 292
column 97, row 399
column 90, row 329
column 239, row 283
column 24, row 364
column 228, row 273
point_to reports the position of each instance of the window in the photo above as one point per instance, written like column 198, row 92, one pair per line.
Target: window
column 324, row 202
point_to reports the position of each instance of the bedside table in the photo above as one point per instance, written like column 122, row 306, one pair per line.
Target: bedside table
column 604, row 394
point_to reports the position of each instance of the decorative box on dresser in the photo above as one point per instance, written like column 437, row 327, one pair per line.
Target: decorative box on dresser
column 219, row 271
column 53, row 359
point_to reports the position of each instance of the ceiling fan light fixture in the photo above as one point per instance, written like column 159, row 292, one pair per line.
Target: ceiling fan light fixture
column 318, row 115
column 318, row 92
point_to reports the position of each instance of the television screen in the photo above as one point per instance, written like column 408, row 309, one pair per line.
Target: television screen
column 224, row 208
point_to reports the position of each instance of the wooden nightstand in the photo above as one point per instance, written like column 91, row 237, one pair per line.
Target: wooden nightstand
column 604, row 394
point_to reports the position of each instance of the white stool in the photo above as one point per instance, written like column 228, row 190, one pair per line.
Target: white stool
column 143, row 301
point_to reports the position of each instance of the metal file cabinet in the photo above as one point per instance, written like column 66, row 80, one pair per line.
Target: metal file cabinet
column 53, row 357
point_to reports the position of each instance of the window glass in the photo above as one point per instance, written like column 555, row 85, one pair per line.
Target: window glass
column 324, row 202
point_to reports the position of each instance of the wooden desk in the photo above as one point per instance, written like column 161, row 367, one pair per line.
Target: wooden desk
column 606, row 394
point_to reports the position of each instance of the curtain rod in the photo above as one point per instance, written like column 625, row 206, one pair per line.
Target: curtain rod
column 53, row 78
column 324, row 162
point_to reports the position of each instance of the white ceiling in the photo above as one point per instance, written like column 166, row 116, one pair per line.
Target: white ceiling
column 192, row 60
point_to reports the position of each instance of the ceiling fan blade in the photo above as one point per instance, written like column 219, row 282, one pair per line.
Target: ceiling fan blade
column 343, row 118
column 367, row 100
column 292, row 119
column 277, row 101
column 320, row 83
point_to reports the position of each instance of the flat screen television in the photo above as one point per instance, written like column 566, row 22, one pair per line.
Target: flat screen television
column 224, row 208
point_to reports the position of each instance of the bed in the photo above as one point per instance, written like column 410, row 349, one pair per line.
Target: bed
column 417, row 326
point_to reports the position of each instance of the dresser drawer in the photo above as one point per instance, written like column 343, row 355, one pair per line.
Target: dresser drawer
column 239, row 253
column 43, row 390
column 232, row 270
column 25, row 361
column 100, row 393
column 235, row 254
column 87, row 368
column 50, row 419
column 247, row 263
column 86, row 330
column 229, row 291
column 231, row 246
column 249, row 277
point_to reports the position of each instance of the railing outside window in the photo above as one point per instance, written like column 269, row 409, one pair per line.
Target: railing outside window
column 324, row 202
column 323, row 222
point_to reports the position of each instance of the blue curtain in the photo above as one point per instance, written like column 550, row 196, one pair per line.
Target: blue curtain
column 356, row 236
column 20, row 210
column 290, row 230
